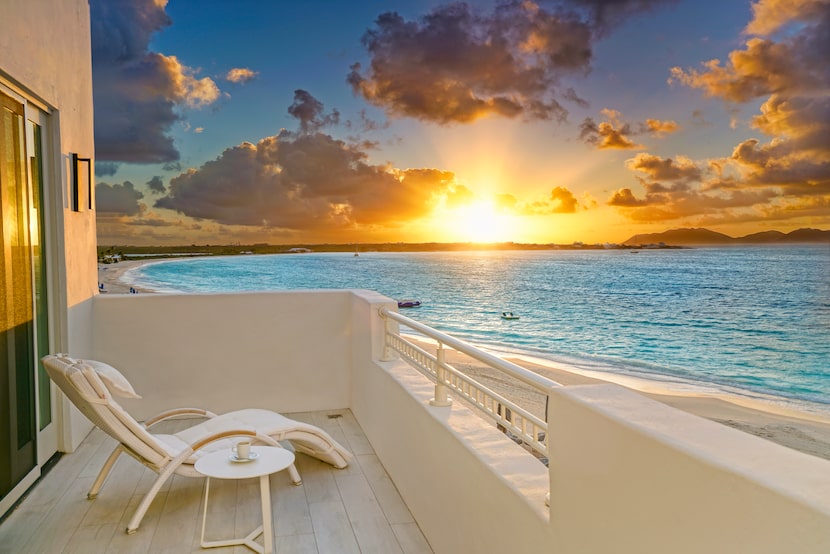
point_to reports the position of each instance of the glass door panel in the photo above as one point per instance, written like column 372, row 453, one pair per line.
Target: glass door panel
column 17, row 386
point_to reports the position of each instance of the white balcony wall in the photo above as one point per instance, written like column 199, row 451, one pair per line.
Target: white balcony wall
column 469, row 487
column 287, row 351
column 631, row 475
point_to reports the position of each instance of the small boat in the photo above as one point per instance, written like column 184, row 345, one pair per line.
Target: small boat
column 409, row 303
column 509, row 315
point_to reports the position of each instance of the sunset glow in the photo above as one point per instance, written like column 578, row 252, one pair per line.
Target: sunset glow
column 479, row 222
column 588, row 121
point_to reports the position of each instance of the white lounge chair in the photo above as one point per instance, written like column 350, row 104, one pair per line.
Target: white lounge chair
column 90, row 385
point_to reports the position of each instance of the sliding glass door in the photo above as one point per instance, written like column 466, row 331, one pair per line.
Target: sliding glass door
column 25, row 393
column 17, row 387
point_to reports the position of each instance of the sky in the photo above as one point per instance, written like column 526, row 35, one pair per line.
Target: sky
column 287, row 122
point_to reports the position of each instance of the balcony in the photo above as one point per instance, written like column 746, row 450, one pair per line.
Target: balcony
column 626, row 474
column 356, row 509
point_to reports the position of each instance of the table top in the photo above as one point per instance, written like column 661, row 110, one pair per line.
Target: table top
column 219, row 465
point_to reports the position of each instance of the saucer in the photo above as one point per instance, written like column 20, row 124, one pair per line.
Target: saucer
column 238, row 460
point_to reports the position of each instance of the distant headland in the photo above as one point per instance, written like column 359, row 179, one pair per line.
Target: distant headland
column 701, row 236
column 674, row 238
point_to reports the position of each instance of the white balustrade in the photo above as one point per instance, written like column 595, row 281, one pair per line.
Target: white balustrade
column 515, row 420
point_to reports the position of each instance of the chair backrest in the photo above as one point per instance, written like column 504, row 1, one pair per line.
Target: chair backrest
column 85, row 389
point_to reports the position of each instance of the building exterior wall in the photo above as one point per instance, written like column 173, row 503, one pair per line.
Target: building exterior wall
column 46, row 60
column 45, row 54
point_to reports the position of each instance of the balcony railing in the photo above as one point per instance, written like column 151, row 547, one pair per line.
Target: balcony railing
column 514, row 419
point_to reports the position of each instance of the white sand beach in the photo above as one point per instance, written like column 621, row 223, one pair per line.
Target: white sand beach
column 804, row 431
column 110, row 276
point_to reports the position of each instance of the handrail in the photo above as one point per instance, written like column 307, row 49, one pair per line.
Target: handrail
column 526, row 376
column 515, row 420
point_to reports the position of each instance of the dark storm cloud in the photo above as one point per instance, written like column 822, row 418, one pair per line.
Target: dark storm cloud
column 118, row 199
column 136, row 91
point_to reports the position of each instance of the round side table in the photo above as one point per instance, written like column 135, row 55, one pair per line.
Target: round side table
column 218, row 465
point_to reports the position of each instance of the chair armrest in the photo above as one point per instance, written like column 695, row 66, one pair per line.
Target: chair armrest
column 222, row 435
column 176, row 413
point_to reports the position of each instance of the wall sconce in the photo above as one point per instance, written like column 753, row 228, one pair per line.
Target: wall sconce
column 81, row 173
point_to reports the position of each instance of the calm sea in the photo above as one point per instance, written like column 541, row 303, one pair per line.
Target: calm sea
column 752, row 320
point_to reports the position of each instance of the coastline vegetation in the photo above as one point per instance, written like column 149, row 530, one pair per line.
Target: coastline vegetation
column 113, row 253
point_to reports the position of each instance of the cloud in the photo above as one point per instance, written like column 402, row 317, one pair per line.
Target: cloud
column 560, row 201
column 241, row 75
column 456, row 65
column 156, row 185
column 680, row 188
column 605, row 135
column 796, row 64
column 118, row 199
column 606, row 14
column 309, row 112
column 783, row 176
column 615, row 133
column 563, row 201
column 771, row 15
column 138, row 93
column 665, row 169
column 105, row 169
column 660, row 128
column 303, row 182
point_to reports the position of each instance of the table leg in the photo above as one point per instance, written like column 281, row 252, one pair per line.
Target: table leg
column 204, row 510
column 267, row 528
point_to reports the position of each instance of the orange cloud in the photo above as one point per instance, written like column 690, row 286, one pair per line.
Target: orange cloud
column 787, row 176
column 241, row 75
column 615, row 133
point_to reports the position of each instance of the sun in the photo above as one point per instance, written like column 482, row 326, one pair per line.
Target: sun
column 479, row 222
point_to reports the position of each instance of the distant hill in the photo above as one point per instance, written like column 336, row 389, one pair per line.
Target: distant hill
column 705, row 236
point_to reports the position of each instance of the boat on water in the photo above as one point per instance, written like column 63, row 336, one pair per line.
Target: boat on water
column 408, row 303
column 509, row 315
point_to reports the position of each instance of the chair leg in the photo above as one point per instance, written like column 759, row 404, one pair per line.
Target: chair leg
column 102, row 475
column 165, row 474
column 295, row 475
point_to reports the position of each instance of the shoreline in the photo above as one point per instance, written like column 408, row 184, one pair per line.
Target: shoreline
column 775, row 418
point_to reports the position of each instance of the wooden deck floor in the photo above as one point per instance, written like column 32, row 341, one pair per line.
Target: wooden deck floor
column 357, row 509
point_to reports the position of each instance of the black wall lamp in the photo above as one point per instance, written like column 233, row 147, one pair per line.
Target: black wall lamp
column 78, row 178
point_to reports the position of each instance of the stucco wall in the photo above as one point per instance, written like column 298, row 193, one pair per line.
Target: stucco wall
column 287, row 351
column 631, row 475
column 45, row 55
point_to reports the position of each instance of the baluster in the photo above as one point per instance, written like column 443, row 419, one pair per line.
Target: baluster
column 387, row 338
column 441, row 396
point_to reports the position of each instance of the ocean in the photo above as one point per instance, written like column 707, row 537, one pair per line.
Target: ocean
column 753, row 321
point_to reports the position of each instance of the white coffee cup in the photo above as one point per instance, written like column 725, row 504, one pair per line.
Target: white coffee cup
column 243, row 450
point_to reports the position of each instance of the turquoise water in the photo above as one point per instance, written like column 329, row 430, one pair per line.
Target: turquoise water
column 751, row 319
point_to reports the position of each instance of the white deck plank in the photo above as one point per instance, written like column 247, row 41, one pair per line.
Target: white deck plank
column 411, row 539
column 370, row 526
column 332, row 529
column 384, row 490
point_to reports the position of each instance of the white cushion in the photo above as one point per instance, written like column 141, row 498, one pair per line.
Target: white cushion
column 113, row 379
